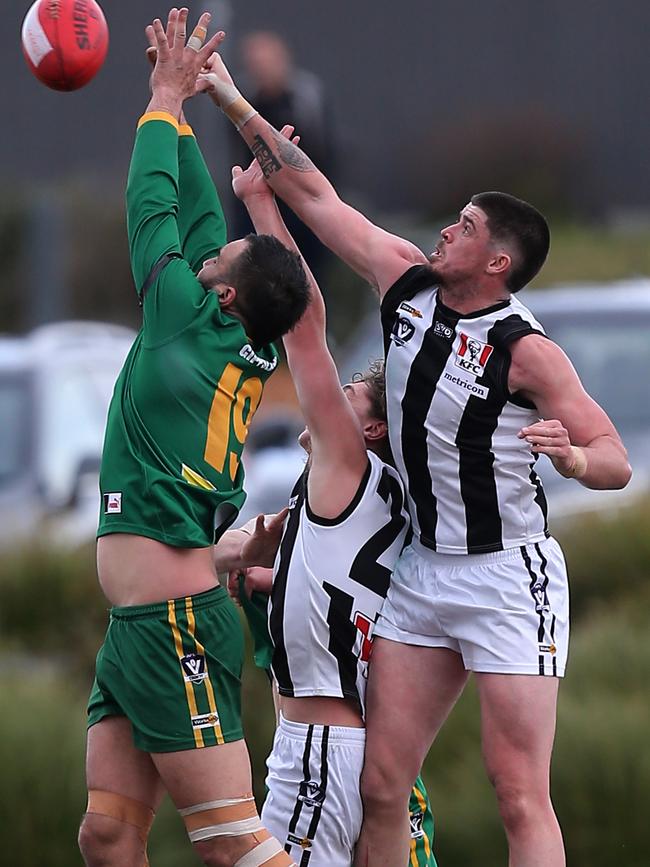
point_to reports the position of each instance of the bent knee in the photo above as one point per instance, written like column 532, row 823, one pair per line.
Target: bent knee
column 386, row 781
column 103, row 840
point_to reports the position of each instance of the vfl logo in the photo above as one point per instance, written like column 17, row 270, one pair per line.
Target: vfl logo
column 540, row 597
column 402, row 331
column 194, row 670
column 417, row 831
column 310, row 793
column 473, row 355
column 442, row 330
column 113, row 504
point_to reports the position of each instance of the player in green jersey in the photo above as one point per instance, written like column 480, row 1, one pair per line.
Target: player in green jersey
column 164, row 713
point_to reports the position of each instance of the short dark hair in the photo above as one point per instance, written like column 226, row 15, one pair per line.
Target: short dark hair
column 272, row 288
column 513, row 221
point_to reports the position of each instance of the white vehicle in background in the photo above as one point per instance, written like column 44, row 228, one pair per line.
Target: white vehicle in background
column 55, row 387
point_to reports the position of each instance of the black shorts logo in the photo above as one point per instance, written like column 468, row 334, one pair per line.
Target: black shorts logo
column 311, row 794
column 194, row 669
column 416, row 819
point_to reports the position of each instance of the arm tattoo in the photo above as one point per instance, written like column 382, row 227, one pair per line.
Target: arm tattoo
column 264, row 156
column 291, row 155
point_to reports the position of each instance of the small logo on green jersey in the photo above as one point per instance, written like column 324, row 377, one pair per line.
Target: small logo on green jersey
column 113, row 504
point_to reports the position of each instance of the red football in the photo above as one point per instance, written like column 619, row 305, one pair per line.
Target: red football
column 65, row 42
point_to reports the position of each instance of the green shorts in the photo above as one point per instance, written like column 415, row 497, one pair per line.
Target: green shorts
column 256, row 610
column 174, row 670
column 421, row 817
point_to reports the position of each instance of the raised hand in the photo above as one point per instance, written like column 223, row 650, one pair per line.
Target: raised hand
column 214, row 76
column 261, row 546
column 177, row 61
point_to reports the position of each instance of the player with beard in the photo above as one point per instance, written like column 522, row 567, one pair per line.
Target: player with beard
column 346, row 526
column 475, row 392
column 164, row 712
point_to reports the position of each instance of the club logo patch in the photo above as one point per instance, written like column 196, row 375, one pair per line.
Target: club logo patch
column 311, row 794
column 113, row 504
column 541, row 599
column 194, row 669
column 402, row 331
column 417, row 831
column 473, row 355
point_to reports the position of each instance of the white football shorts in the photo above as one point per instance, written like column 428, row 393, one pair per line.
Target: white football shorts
column 506, row 612
column 313, row 806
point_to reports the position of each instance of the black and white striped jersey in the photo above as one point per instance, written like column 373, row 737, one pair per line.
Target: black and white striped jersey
column 453, row 424
column 330, row 580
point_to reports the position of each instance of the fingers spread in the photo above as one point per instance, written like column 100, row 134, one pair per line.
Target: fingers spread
column 172, row 19
column 160, row 38
column 181, row 28
column 211, row 46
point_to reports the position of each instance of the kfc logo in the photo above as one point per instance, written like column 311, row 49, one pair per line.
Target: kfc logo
column 473, row 355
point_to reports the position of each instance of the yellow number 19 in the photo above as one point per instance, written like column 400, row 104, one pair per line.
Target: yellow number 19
column 230, row 404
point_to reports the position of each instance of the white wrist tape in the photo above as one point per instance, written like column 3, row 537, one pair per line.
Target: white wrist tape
column 232, row 103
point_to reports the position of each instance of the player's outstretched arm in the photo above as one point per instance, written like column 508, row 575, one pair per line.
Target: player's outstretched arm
column 378, row 256
column 575, row 432
column 337, row 445
column 152, row 188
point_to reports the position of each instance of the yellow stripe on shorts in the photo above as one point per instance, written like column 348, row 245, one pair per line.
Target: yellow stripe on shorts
column 191, row 626
column 423, row 807
column 189, row 688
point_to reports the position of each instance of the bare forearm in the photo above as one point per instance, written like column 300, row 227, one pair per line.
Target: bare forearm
column 607, row 465
column 227, row 551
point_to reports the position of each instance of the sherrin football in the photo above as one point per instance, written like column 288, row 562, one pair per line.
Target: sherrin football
column 65, row 42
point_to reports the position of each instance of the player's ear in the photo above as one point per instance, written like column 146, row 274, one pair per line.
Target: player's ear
column 500, row 263
column 375, row 429
column 226, row 294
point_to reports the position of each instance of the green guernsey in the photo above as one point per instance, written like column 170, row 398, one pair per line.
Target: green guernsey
column 179, row 417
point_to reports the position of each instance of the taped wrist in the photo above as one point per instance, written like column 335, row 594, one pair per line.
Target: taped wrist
column 233, row 104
